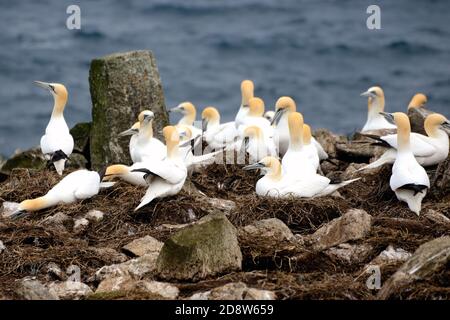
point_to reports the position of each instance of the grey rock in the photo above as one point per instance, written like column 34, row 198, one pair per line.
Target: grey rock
column 350, row 253
column 55, row 271
column 81, row 133
column 69, row 290
column 109, row 254
column 8, row 208
column 94, row 216
column 417, row 118
column 391, row 255
column 440, row 182
column 135, row 268
column 272, row 228
column 328, row 141
column 142, row 246
column 29, row 159
column 205, row 248
column 234, row 291
column 437, row 217
column 80, row 225
column 122, row 85
column 29, row 288
column 59, row 221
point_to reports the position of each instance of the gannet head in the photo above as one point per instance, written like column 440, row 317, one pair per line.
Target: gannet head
column 418, row 101
column 133, row 130
column 59, row 159
column 188, row 110
column 256, row 107
column 145, row 117
column 210, row 115
column 284, row 105
column 247, row 92
column 172, row 138
column 307, row 135
column 269, row 165
column 58, row 91
column 252, row 132
column 185, row 133
column 33, row 205
column 375, row 95
column 435, row 121
column 295, row 123
column 116, row 170
column 269, row 115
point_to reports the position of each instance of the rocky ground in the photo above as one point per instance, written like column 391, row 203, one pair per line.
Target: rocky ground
column 218, row 240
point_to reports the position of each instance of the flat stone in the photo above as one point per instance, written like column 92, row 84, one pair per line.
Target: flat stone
column 59, row 221
column 234, row 291
column 135, row 268
column 8, row 208
column 391, row 255
column 29, row 288
column 69, row 290
column 142, row 246
column 350, row 253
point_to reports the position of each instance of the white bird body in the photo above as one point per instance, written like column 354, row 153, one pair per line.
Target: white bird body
column 145, row 146
column 376, row 102
column 257, row 143
column 247, row 92
column 217, row 135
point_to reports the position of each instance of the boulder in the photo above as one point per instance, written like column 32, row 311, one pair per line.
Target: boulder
column 108, row 254
column 358, row 151
column 29, row 288
column 349, row 254
column 234, row 291
column 427, row 261
column 122, row 85
column 81, row 133
column 328, row 141
column 30, row 159
column 355, row 224
column 440, row 182
column 417, row 118
column 69, row 290
column 142, row 246
column 135, row 268
column 206, row 248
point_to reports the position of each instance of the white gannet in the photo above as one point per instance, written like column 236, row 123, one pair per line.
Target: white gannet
column 375, row 121
column 126, row 173
column 409, row 180
column 297, row 160
column 166, row 177
column 78, row 185
column 310, row 150
column 269, row 115
column 257, row 144
column 276, row 183
column 57, row 143
column 146, row 146
column 217, row 135
column 247, row 91
column 133, row 132
column 255, row 117
column 283, row 107
column 428, row 150
column 189, row 112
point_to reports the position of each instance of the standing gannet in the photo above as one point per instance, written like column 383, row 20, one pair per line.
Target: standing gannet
column 297, row 161
column 255, row 117
column 247, row 92
column 283, row 107
column 133, row 132
column 57, row 143
column 419, row 100
column 309, row 148
column 145, row 145
column 269, row 115
column 277, row 183
column 217, row 135
column 428, row 150
column 375, row 121
column 258, row 144
column 409, row 180
column 166, row 177
column 78, row 185
column 189, row 112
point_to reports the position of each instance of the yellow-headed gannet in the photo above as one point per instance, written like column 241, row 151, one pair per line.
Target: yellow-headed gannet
column 57, row 143
column 247, row 91
column 146, row 146
column 309, row 148
column 78, row 185
column 217, row 135
column 258, row 144
column 166, row 177
column 409, row 180
column 189, row 112
column 428, row 150
column 255, row 117
column 375, row 121
column 276, row 183
column 419, row 100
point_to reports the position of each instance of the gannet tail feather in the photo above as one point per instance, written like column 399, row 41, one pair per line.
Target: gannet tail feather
column 387, row 157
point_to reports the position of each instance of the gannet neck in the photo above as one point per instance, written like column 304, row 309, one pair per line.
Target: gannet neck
column 295, row 123
column 306, row 134
column 256, row 106
column 117, row 170
column 247, row 92
column 147, row 130
column 418, row 101
column 60, row 101
column 274, row 166
column 403, row 132
column 172, row 138
column 376, row 105
column 432, row 124
column 190, row 113
column 254, row 132
column 38, row 203
column 212, row 116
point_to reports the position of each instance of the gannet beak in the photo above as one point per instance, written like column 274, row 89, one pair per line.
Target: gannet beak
column 254, row 166
column 44, row 85
column 128, row 132
column 277, row 116
column 446, row 126
column 204, row 125
column 175, row 109
column 388, row 116
column 366, row 94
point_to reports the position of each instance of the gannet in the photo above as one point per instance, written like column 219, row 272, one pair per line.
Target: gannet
column 255, row 117
column 428, row 150
column 409, row 180
column 57, row 143
column 419, row 100
column 297, row 160
column 166, row 177
column 247, row 91
column 78, row 185
column 217, row 135
column 258, row 144
column 189, row 112
column 126, row 173
column 375, row 121
column 133, row 132
column 145, row 146
column 309, row 148
column 283, row 107
column 269, row 115
column 277, row 183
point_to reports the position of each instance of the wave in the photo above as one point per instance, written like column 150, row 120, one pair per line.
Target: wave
column 406, row 47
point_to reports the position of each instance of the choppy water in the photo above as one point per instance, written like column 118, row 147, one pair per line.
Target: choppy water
column 319, row 52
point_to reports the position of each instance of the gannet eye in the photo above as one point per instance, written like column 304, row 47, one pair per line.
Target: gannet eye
column 52, row 87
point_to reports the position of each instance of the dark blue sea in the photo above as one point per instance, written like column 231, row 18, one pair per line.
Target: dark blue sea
column 319, row 52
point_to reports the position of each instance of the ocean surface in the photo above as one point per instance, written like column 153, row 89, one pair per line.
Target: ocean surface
column 319, row 52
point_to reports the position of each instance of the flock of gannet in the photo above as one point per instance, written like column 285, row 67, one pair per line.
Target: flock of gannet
column 279, row 143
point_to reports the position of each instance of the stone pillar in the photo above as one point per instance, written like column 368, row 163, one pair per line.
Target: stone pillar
column 121, row 86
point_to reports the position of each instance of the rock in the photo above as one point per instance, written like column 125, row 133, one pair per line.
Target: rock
column 2, row 247
column 80, row 225
column 206, row 248
column 69, row 290
column 427, row 261
column 219, row 205
column 8, row 208
column 390, row 255
column 55, row 271
column 122, row 85
column 29, row 288
column 437, row 217
column 350, row 253
column 353, row 225
column 328, row 141
column 417, row 118
column 135, row 268
column 234, row 291
column 126, row 283
column 81, row 133
column 358, row 151
column 77, row 161
column 30, row 159
column 142, row 246
column 440, row 182
column 58, row 221
column 94, row 216
column 109, row 254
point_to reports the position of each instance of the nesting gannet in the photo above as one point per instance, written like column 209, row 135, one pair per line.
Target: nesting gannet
column 428, row 150
column 166, row 177
column 126, row 173
column 276, row 183
column 258, row 144
column 133, row 132
column 269, row 115
column 57, row 143
column 247, row 91
column 189, row 112
column 145, row 145
column 283, row 107
column 409, row 180
column 375, row 121
column 78, row 185
column 217, row 135
column 298, row 160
